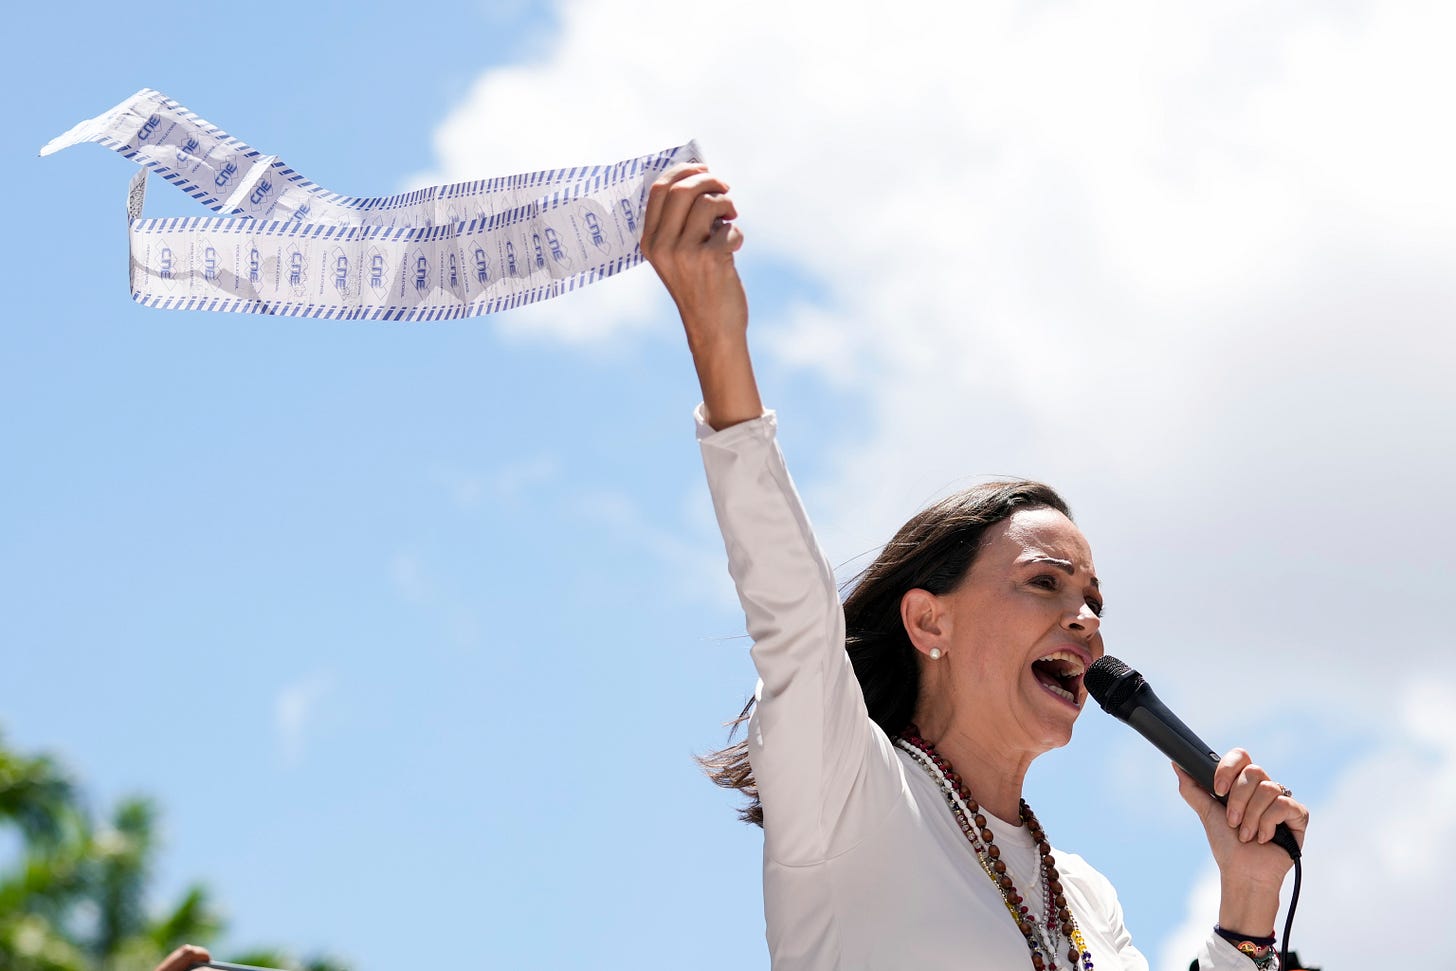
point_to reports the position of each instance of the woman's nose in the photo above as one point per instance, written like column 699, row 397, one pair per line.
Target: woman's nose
column 1083, row 620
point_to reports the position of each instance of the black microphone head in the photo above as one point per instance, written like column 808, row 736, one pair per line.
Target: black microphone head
column 1112, row 684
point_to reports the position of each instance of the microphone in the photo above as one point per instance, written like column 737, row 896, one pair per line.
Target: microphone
column 1124, row 694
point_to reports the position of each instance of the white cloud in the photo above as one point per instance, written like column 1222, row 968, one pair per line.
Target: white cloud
column 626, row 303
column 1182, row 945
column 294, row 709
column 1190, row 262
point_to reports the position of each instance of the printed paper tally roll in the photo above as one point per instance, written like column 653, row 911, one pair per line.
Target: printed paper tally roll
column 286, row 246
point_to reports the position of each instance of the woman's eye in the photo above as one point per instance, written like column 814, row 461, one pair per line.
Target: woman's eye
column 1046, row 582
column 1096, row 606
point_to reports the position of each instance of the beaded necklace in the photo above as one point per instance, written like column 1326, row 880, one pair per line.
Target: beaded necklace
column 1059, row 922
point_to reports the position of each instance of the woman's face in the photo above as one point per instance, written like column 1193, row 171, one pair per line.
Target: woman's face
column 1023, row 630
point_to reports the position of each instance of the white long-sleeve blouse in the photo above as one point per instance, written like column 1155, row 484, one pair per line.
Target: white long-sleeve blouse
column 864, row 866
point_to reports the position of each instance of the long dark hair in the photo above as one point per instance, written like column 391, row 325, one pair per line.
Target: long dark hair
column 933, row 551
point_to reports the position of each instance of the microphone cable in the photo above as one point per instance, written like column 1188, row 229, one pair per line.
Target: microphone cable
column 1289, row 918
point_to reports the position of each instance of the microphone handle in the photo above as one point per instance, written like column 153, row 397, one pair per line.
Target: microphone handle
column 1157, row 724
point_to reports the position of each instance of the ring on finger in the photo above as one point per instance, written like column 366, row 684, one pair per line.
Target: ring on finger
column 1284, row 790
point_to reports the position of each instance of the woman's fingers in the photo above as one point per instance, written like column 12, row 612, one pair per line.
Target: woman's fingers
column 706, row 217
column 1231, row 779
column 1228, row 770
column 1245, row 788
column 1256, row 803
column 670, row 202
column 1286, row 810
column 185, row 957
column 726, row 237
column 657, row 194
column 1261, row 798
column 689, row 238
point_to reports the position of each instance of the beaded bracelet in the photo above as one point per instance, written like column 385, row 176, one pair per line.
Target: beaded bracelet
column 1260, row 950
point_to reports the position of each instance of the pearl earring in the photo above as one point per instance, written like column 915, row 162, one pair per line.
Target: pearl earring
column 935, row 653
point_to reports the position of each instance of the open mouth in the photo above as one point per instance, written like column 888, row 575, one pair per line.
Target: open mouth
column 1061, row 674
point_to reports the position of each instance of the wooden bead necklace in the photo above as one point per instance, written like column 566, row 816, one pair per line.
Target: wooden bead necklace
column 1060, row 924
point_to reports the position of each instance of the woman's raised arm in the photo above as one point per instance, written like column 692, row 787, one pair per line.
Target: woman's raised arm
column 689, row 237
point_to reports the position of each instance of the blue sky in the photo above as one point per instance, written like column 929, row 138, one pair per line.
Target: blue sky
column 412, row 630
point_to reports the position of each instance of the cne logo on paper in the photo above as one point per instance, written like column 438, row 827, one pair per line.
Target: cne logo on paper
column 226, row 172
column 558, row 252
column 457, row 279
column 420, row 273
column 255, row 266
column 259, row 193
column 482, row 268
column 377, row 274
column 149, row 128
column 190, row 152
column 166, row 263
column 295, row 271
column 452, row 272
column 341, row 276
column 211, row 263
column 628, row 214
column 594, row 230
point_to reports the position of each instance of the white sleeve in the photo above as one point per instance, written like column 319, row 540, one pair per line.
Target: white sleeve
column 824, row 771
column 1217, row 954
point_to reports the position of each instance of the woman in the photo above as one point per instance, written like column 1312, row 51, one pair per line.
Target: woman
column 891, row 736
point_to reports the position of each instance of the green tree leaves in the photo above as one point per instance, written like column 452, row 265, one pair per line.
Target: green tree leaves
column 76, row 895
